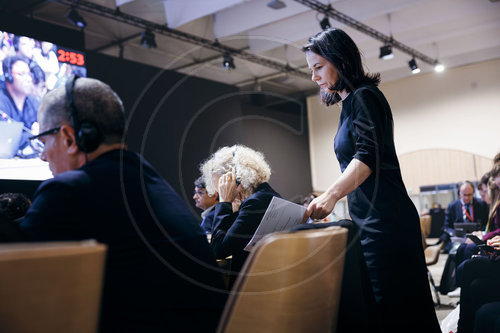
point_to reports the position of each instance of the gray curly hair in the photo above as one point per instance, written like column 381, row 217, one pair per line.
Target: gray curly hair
column 250, row 167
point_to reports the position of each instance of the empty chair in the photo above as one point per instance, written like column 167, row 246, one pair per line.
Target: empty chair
column 431, row 253
column 50, row 287
column 289, row 283
column 425, row 225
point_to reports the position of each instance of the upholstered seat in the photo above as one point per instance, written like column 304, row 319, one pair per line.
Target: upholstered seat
column 51, row 286
column 290, row 283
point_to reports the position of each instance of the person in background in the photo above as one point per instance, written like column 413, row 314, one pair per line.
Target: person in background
column 482, row 187
column 371, row 178
column 160, row 273
column 205, row 202
column 480, row 295
column 24, row 47
column 39, row 84
column 46, row 58
column 466, row 250
column 465, row 209
column 237, row 172
column 16, row 100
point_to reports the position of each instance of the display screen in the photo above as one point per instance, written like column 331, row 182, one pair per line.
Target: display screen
column 29, row 69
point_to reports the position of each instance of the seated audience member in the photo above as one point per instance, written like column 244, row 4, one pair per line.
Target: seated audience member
column 159, row 274
column 237, row 172
column 206, row 202
column 15, row 99
column 487, row 318
column 466, row 250
column 465, row 209
column 479, row 287
column 13, row 207
column 482, row 187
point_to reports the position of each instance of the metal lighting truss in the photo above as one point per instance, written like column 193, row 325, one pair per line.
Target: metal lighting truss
column 117, row 15
column 327, row 10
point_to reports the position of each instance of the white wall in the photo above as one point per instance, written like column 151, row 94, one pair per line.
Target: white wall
column 457, row 109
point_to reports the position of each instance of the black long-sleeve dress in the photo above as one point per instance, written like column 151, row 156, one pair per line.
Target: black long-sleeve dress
column 388, row 221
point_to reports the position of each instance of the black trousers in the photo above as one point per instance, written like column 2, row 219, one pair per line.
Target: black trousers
column 488, row 318
column 479, row 286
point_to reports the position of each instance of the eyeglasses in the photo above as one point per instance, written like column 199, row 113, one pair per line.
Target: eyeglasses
column 37, row 144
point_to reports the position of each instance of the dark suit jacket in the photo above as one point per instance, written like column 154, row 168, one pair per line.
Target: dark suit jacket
column 232, row 232
column 159, row 267
column 454, row 213
column 208, row 222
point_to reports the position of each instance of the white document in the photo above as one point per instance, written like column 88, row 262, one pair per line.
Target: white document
column 281, row 215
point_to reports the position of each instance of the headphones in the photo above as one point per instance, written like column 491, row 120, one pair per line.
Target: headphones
column 87, row 135
column 7, row 69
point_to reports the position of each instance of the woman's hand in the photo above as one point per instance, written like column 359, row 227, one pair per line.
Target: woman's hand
column 495, row 242
column 227, row 187
column 320, row 207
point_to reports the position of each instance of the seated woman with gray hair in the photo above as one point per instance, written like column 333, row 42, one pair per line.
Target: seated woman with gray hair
column 237, row 172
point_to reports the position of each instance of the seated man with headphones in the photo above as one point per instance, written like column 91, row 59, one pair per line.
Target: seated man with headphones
column 160, row 272
column 15, row 98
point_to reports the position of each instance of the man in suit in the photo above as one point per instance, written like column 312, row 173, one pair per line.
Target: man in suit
column 465, row 209
column 205, row 202
column 160, row 272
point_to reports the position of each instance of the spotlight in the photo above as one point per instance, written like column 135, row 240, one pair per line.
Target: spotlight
column 76, row 19
column 276, row 4
column 324, row 23
column 386, row 52
column 413, row 66
column 439, row 68
column 148, row 39
column 228, row 62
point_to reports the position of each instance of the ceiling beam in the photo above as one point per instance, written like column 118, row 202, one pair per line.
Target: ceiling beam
column 329, row 11
column 117, row 15
column 117, row 42
column 202, row 61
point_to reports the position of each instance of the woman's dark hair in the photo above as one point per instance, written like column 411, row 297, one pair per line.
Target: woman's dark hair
column 338, row 48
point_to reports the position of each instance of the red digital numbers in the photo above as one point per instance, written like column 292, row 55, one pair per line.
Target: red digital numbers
column 62, row 55
column 71, row 57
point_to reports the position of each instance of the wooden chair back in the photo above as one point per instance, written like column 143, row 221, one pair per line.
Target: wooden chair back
column 425, row 225
column 290, row 282
column 51, row 286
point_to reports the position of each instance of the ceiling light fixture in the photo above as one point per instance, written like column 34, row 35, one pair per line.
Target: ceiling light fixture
column 276, row 4
column 386, row 52
column 439, row 67
column 325, row 23
column 148, row 39
column 76, row 19
column 413, row 66
column 228, row 62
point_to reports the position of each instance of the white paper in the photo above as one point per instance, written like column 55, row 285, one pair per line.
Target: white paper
column 281, row 215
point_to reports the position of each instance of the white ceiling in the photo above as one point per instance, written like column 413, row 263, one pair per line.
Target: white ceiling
column 456, row 32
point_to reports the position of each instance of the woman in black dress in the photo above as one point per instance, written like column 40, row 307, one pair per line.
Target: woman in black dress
column 371, row 179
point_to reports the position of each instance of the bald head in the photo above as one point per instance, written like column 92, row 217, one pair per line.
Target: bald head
column 94, row 100
column 467, row 192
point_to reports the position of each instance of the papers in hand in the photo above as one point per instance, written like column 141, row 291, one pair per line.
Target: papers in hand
column 281, row 215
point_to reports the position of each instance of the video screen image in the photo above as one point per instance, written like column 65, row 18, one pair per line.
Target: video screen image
column 29, row 69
